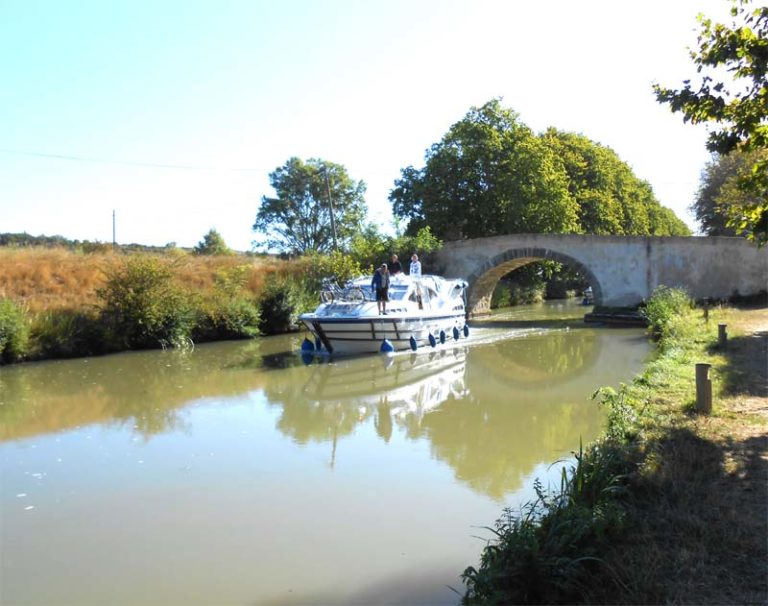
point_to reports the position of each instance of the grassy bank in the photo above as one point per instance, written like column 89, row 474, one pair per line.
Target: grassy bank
column 44, row 279
column 671, row 506
column 56, row 302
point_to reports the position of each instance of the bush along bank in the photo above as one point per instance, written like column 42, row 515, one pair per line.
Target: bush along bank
column 669, row 506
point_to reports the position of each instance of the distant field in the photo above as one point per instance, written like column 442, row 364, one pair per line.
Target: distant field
column 57, row 278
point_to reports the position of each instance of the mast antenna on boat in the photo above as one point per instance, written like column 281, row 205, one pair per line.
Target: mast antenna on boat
column 330, row 206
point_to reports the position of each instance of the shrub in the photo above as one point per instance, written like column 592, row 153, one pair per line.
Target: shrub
column 548, row 553
column 281, row 302
column 143, row 307
column 66, row 333
column 664, row 305
column 14, row 331
column 228, row 313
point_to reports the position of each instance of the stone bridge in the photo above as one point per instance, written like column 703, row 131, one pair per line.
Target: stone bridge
column 622, row 270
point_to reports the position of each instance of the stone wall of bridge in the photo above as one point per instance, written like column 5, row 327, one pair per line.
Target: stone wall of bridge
column 622, row 270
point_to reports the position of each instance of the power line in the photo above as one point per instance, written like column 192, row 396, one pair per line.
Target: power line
column 121, row 162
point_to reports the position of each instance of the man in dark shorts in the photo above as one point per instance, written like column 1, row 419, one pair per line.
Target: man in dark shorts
column 380, row 285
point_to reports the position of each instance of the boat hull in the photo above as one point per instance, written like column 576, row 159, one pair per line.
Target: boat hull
column 365, row 334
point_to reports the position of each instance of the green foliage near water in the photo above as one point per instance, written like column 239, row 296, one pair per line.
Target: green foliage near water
column 664, row 305
column 14, row 331
column 548, row 553
column 228, row 313
column 143, row 307
column 67, row 333
column 508, row 293
column 281, row 302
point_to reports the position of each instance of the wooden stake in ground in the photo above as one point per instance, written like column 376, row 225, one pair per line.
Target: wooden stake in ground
column 703, row 388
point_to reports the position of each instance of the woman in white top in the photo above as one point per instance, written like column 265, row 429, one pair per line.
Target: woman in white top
column 415, row 265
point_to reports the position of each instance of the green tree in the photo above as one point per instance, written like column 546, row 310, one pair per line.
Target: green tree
column 719, row 191
column 738, row 109
column 610, row 198
column 488, row 175
column 299, row 218
column 212, row 244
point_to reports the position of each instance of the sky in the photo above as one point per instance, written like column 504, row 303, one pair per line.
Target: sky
column 173, row 113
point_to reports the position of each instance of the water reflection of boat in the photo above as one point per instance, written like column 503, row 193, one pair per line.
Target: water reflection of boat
column 405, row 383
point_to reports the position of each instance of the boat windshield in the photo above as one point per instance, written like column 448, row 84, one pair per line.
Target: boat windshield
column 397, row 291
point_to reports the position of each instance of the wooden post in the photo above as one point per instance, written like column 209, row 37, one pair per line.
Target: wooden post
column 722, row 336
column 706, row 310
column 703, row 389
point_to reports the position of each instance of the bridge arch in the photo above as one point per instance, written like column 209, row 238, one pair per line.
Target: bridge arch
column 484, row 278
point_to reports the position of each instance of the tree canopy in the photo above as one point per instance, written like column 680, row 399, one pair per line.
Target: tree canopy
column 490, row 175
column 299, row 218
column 737, row 108
column 609, row 197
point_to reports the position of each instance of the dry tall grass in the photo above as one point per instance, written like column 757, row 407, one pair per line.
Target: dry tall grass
column 55, row 278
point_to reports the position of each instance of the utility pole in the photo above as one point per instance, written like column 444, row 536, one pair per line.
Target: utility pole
column 114, row 239
column 330, row 205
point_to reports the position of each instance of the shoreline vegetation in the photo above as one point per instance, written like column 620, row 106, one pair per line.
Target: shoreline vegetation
column 670, row 506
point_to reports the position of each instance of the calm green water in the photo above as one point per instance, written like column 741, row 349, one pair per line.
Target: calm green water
column 237, row 474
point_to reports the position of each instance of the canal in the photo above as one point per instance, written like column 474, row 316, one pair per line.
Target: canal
column 239, row 473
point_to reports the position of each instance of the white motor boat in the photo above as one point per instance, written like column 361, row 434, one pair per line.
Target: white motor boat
column 422, row 310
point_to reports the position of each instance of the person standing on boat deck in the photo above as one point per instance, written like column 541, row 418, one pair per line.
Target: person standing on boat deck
column 380, row 285
column 415, row 266
column 395, row 267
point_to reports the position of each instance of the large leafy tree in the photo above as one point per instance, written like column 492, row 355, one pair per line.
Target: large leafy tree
column 609, row 197
column 299, row 218
column 736, row 107
column 488, row 175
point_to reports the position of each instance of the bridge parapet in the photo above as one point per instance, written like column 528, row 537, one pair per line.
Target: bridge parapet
column 622, row 270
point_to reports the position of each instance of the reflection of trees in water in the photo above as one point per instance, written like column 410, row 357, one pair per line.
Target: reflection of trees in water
column 142, row 390
column 554, row 357
column 493, row 444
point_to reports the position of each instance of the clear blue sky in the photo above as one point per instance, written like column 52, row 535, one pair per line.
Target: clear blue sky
column 179, row 110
